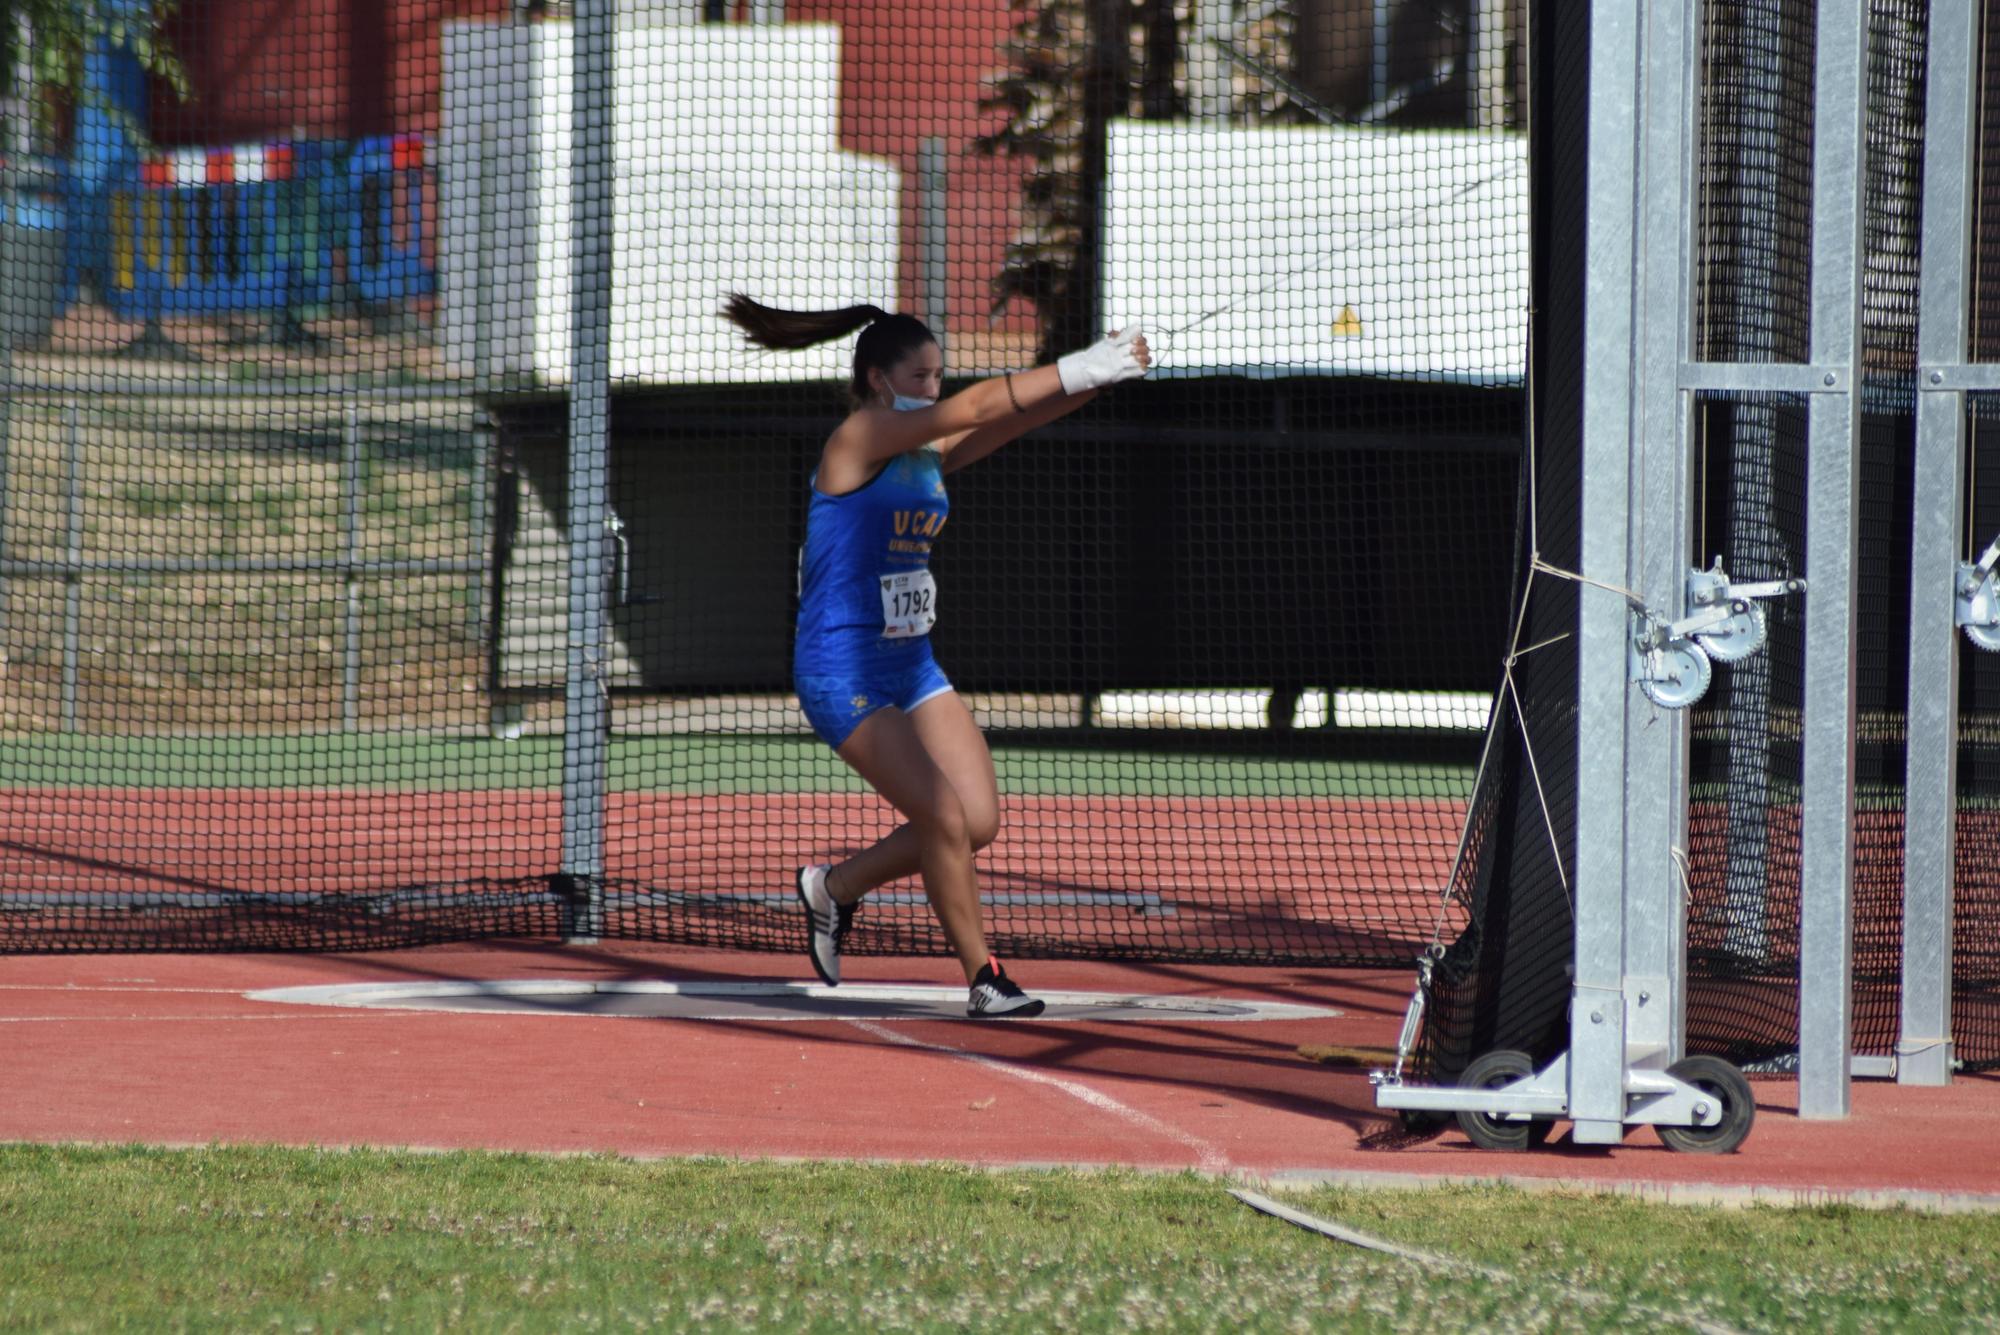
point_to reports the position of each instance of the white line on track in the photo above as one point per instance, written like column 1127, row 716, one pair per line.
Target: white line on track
column 92, row 987
column 1211, row 1159
column 197, row 1019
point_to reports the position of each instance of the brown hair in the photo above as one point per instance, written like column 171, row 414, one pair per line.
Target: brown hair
column 885, row 340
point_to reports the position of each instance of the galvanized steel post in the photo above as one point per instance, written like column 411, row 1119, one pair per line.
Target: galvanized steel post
column 1833, row 534
column 586, row 706
column 1924, row 1048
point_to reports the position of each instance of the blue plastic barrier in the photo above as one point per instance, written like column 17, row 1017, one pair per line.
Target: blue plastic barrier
column 214, row 231
column 209, row 231
column 387, row 216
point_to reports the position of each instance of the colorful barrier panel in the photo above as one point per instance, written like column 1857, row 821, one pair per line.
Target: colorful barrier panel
column 387, row 220
column 209, row 231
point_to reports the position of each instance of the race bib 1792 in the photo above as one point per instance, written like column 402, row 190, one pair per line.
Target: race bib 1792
column 909, row 604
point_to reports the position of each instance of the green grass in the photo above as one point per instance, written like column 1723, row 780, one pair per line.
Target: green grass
column 685, row 764
column 103, row 1238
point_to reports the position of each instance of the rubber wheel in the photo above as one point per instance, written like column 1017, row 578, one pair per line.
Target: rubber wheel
column 1502, row 1066
column 1725, row 1084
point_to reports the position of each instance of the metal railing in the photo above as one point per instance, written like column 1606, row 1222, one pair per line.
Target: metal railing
column 348, row 562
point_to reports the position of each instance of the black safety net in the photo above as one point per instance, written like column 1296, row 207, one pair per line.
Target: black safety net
column 397, row 544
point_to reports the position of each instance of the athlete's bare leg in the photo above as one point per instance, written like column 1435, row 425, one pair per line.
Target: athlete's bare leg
column 955, row 745
column 934, row 768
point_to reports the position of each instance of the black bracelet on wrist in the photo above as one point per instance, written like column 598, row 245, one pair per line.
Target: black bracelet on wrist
column 1009, row 378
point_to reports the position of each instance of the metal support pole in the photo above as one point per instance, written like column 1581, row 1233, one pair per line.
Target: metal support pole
column 72, row 633
column 486, row 189
column 7, row 395
column 1660, row 504
column 480, row 544
column 1833, row 533
column 6, row 491
column 931, row 236
column 19, row 109
column 1924, row 1050
column 1597, row 1012
column 1207, row 71
column 586, row 716
column 1378, row 54
column 1488, row 84
column 350, row 555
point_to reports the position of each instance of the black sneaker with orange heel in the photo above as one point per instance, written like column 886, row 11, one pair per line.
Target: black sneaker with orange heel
column 994, row 996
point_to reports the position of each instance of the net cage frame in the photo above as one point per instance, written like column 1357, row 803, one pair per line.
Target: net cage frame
column 1599, row 1043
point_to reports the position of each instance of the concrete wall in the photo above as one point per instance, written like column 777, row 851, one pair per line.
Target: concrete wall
column 729, row 175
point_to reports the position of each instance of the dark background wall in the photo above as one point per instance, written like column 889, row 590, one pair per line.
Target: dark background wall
column 1181, row 534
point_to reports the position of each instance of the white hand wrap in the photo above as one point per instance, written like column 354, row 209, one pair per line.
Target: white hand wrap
column 1102, row 363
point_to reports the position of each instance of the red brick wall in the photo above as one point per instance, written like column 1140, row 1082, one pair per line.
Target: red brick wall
column 276, row 69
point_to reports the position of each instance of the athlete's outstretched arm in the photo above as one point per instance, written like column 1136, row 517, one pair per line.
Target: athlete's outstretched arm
column 873, row 434
column 1078, row 390
column 975, row 445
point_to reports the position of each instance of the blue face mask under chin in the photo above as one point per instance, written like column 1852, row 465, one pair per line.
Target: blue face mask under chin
column 904, row 403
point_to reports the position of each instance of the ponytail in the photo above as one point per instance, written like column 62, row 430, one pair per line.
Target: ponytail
column 885, row 341
column 769, row 327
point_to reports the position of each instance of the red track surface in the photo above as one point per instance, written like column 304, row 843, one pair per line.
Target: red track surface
column 166, row 1049
column 1351, row 879
column 122, row 840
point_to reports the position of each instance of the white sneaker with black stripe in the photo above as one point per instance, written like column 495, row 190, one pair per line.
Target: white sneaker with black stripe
column 826, row 923
column 994, row 996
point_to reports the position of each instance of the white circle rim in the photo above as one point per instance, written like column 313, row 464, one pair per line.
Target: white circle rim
column 421, row 996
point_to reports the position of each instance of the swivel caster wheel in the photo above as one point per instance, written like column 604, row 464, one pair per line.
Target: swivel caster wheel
column 1725, row 1084
column 1500, row 1067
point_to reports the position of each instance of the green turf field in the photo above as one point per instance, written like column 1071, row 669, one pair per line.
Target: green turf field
column 307, row 1240
column 690, row 764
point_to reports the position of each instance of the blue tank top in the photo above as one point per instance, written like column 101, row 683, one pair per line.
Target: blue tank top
column 885, row 527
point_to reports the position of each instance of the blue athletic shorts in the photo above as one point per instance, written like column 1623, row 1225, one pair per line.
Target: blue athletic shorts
column 842, row 689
